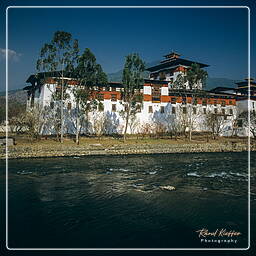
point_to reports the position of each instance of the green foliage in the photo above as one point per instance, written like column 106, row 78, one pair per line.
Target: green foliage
column 88, row 72
column 59, row 55
column 132, row 80
column 179, row 83
column 132, row 75
column 194, row 75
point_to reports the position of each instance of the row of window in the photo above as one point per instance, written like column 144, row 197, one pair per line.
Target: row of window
column 184, row 110
column 173, row 100
column 150, row 109
column 204, row 102
column 101, row 97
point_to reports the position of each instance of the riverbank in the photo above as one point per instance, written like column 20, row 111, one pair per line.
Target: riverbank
column 111, row 146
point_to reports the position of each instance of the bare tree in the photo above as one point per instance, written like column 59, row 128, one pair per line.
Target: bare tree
column 188, row 116
column 248, row 121
column 215, row 122
column 34, row 121
column 99, row 122
column 16, row 116
column 146, row 129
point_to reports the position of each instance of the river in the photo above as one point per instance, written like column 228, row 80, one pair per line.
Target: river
column 119, row 202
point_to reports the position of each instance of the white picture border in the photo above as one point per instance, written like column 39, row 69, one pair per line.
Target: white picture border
column 131, row 249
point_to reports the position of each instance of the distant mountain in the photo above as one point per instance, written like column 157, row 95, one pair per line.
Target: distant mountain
column 15, row 95
column 117, row 76
column 210, row 82
column 219, row 82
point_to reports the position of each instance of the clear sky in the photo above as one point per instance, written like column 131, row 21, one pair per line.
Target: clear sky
column 217, row 37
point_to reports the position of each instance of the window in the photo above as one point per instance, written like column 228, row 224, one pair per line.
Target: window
column 194, row 111
column 101, row 107
column 204, row 103
column 113, row 107
column 100, row 96
column 184, row 109
column 230, row 102
column 69, row 105
column 162, row 76
column 162, row 109
column 138, row 108
column 113, row 89
column 150, row 109
column 204, row 109
column 173, row 110
column 113, row 97
column 52, row 105
column 156, row 93
column 223, row 111
column 240, row 123
column 223, row 103
column 194, row 101
column 231, row 111
column 184, row 100
column 173, row 100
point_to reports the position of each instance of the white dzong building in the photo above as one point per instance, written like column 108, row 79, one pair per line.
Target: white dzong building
column 164, row 107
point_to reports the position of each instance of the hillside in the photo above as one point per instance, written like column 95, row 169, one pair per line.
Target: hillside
column 18, row 95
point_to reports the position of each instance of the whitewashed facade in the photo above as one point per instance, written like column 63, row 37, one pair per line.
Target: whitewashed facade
column 164, row 108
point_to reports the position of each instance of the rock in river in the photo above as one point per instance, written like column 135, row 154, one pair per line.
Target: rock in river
column 170, row 188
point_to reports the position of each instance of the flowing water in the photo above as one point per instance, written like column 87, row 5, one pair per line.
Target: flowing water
column 119, row 202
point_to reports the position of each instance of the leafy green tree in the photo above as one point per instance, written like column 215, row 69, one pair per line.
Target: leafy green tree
column 195, row 75
column 132, row 79
column 59, row 56
column 88, row 74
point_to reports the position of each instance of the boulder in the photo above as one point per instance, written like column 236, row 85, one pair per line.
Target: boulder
column 170, row 188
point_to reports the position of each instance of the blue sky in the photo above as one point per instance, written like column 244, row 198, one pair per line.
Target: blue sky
column 217, row 37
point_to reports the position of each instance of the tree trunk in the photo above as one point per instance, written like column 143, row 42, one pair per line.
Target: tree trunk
column 190, row 134
column 87, row 121
column 127, row 120
column 77, row 123
column 61, row 109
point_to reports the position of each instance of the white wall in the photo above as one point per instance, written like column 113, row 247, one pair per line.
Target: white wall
column 143, row 117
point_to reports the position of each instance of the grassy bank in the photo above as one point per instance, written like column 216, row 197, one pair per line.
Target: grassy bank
column 50, row 147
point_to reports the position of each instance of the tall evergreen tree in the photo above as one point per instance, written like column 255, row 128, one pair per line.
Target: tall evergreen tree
column 88, row 74
column 195, row 75
column 194, row 78
column 132, row 80
column 59, row 56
